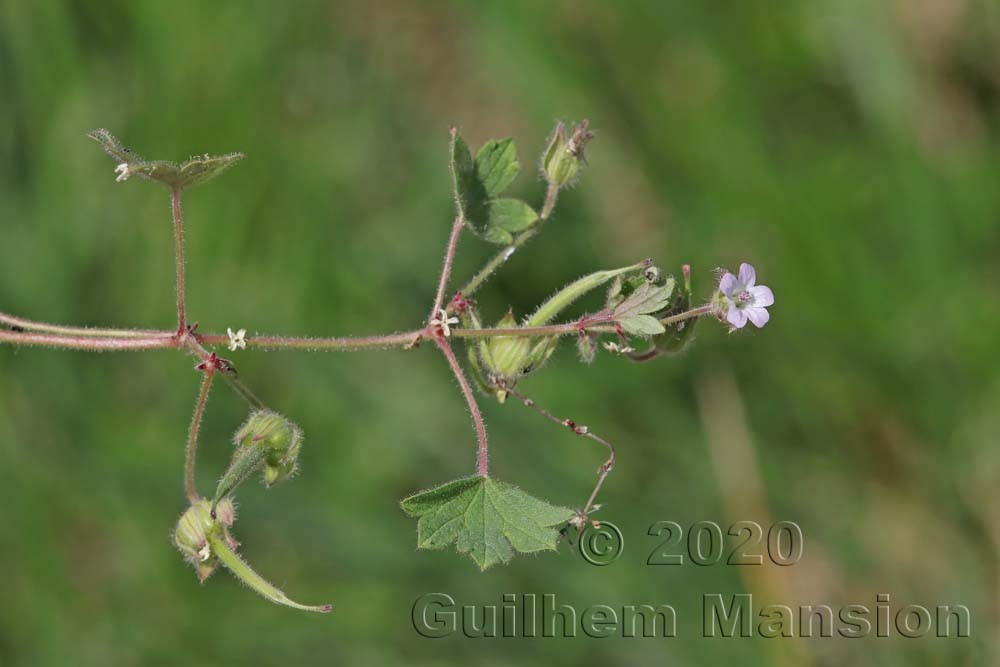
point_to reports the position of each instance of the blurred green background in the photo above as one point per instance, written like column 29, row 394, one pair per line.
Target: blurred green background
column 847, row 149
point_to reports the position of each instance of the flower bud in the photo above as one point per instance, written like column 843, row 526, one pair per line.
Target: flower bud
column 564, row 156
column 269, row 427
column 279, row 468
column 266, row 441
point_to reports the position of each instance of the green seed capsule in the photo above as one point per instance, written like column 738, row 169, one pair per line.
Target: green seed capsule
column 194, row 528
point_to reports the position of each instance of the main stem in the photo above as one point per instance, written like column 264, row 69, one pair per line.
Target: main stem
column 482, row 457
column 178, row 215
column 77, row 342
column 124, row 339
column 192, row 442
column 22, row 324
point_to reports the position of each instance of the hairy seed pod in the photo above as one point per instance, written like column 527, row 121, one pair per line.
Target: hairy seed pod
column 506, row 359
column 196, row 525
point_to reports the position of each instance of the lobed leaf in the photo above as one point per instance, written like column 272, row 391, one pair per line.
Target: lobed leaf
column 113, row 147
column 486, row 519
column 194, row 171
column 470, row 194
column 641, row 325
column 477, row 184
column 504, row 217
column 634, row 312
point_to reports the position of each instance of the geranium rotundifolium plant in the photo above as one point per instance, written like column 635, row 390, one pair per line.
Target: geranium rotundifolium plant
column 646, row 313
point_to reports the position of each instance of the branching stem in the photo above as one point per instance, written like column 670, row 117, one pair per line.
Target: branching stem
column 199, row 352
column 502, row 256
column 27, row 332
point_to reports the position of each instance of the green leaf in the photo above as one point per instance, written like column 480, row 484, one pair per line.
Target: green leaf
column 198, row 170
column 470, row 194
column 497, row 165
column 634, row 312
column 487, row 519
column 505, row 216
column 477, row 183
column 193, row 171
column 113, row 147
column 641, row 325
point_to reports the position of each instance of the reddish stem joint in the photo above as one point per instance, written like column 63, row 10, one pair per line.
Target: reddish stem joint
column 213, row 363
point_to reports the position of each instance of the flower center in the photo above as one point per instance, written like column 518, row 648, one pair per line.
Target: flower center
column 744, row 298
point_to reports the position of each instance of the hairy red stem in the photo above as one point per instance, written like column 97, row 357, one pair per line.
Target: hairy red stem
column 482, row 458
column 178, row 216
column 449, row 259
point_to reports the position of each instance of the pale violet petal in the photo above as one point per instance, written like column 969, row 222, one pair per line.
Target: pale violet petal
column 748, row 276
column 759, row 316
column 737, row 317
column 762, row 296
column 727, row 284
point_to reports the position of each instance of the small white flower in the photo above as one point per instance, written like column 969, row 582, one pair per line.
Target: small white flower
column 442, row 320
column 615, row 348
column 238, row 340
column 205, row 553
column 123, row 172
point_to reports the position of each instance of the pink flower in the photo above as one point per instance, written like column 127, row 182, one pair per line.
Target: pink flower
column 746, row 300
